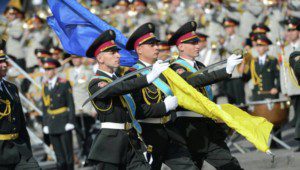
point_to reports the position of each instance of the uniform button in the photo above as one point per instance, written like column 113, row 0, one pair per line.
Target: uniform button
column 52, row 117
column 260, row 76
column 13, row 119
column 14, row 128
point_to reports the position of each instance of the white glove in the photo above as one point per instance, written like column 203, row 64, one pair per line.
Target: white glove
column 46, row 129
column 158, row 67
column 69, row 126
column 233, row 61
column 171, row 103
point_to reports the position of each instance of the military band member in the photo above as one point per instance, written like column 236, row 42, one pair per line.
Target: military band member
column 257, row 29
column 264, row 72
column 15, row 152
column 116, row 146
column 59, row 113
column 289, row 84
column 15, row 32
column 233, row 41
column 79, row 76
column 156, row 104
column 295, row 64
column 208, row 56
column 205, row 138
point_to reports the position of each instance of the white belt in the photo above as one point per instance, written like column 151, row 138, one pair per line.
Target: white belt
column 161, row 120
column 187, row 114
column 111, row 125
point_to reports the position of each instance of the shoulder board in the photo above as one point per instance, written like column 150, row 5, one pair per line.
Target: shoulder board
column 123, row 70
column 271, row 57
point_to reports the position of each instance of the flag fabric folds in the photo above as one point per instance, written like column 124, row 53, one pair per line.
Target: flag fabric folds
column 3, row 5
column 77, row 28
column 255, row 129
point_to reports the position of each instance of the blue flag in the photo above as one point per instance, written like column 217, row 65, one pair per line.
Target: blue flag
column 77, row 28
column 3, row 4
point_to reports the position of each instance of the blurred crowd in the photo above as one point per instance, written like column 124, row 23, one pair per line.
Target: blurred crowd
column 224, row 26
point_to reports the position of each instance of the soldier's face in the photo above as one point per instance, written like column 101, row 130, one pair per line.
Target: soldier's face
column 76, row 61
column 262, row 49
column 189, row 49
column 230, row 30
column 293, row 35
column 110, row 59
column 149, row 51
column 3, row 68
column 202, row 44
column 50, row 73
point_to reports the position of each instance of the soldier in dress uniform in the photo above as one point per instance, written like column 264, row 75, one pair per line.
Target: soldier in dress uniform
column 15, row 145
column 35, row 93
column 59, row 113
column 289, row 85
column 258, row 28
column 205, row 138
column 266, row 69
column 263, row 70
column 233, row 41
column 295, row 65
column 208, row 56
column 34, row 36
column 117, row 145
column 156, row 104
column 14, row 45
column 79, row 76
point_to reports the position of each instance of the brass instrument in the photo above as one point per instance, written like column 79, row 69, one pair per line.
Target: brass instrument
column 95, row 10
column 269, row 2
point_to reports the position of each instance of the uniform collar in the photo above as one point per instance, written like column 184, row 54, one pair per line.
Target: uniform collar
column 262, row 58
column 145, row 63
column 296, row 44
column 191, row 62
column 107, row 73
column 53, row 81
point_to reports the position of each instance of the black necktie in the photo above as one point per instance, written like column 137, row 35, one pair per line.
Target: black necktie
column 195, row 66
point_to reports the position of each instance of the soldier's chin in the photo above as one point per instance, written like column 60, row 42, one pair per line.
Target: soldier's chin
column 3, row 73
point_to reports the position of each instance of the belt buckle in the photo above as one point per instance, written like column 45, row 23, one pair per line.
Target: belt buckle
column 127, row 126
column 165, row 119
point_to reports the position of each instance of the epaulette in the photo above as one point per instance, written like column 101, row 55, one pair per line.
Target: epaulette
column 123, row 70
column 271, row 57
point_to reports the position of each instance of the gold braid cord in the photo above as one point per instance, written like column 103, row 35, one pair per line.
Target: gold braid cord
column 255, row 78
column 46, row 98
column 7, row 110
column 146, row 93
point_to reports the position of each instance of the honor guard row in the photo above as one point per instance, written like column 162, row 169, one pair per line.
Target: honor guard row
column 141, row 114
column 117, row 110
